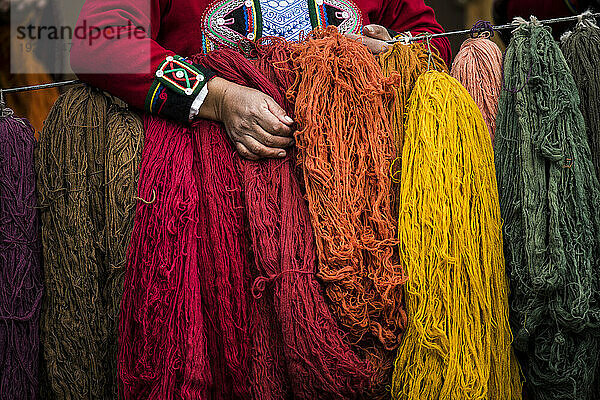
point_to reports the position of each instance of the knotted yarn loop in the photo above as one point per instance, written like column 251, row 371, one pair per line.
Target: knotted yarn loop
column 482, row 27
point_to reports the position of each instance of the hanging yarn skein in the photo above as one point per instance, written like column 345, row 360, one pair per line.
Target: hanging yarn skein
column 581, row 49
column 549, row 197
column 458, row 342
column 408, row 61
column 73, row 323
column 86, row 167
column 346, row 146
column 20, row 261
column 162, row 343
column 231, row 321
column 124, row 144
column 273, row 60
column 478, row 67
column 317, row 361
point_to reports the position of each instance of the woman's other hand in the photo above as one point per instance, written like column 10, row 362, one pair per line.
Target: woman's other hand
column 256, row 124
column 374, row 37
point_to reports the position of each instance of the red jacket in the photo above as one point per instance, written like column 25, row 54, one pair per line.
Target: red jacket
column 126, row 67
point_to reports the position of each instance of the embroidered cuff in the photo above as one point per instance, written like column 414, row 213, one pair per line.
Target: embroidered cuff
column 177, row 84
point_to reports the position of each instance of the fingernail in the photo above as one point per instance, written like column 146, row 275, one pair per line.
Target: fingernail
column 368, row 29
column 288, row 119
column 281, row 154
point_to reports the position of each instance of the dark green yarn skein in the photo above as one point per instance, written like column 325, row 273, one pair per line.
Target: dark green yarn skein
column 550, row 202
column 581, row 49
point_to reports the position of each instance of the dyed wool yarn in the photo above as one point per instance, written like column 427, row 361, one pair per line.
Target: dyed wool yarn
column 162, row 344
column 189, row 252
column 20, row 262
column 218, row 168
column 458, row 342
column 346, row 147
column 236, row 325
column 124, row 144
column 86, row 197
column 581, row 49
column 73, row 323
column 225, row 264
column 478, row 67
column 408, row 61
column 273, row 60
column 318, row 364
column 227, row 280
column 549, row 198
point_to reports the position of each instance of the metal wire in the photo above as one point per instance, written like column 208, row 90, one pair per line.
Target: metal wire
column 495, row 28
column 423, row 36
column 40, row 86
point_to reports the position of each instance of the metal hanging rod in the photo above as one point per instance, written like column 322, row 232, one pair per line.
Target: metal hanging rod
column 409, row 39
column 40, row 86
column 426, row 36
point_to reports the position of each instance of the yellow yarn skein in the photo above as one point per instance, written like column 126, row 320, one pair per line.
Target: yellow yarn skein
column 408, row 61
column 458, row 341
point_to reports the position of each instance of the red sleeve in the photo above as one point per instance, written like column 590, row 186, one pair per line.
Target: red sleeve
column 114, row 46
column 413, row 16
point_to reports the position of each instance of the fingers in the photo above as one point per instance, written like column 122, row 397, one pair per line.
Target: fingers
column 376, row 46
column 273, row 130
column 259, row 143
column 274, row 124
column 278, row 112
column 252, row 149
column 376, row 32
column 244, row 152
column 270, row 140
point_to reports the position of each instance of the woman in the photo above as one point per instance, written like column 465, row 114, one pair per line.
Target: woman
column 127, row 67
column 133, row 49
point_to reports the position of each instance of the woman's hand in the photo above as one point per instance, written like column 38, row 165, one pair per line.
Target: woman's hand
column 256, row 124
column 374, row 37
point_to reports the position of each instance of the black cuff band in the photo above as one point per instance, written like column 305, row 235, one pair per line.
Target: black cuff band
column 176, row 85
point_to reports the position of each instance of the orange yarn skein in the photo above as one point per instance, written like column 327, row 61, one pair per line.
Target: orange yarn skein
column 346, row 147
